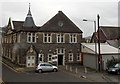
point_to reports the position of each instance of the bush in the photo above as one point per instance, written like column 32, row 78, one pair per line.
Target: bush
column 112, row 62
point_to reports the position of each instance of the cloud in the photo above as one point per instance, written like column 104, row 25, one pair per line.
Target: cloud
column 76, row 10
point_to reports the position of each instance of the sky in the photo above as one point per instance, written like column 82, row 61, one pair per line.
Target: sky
column 75, row 10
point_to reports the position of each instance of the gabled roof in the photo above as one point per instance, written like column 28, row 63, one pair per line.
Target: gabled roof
column 17, row 24
column 104, row 48
column 111, row 32
column 60, row 23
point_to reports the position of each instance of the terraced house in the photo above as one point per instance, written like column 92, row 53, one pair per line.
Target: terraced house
column 26, row 44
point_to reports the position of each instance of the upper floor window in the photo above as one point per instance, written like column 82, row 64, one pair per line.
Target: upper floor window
column 60, row 38
column 47, row 38
column 31, row 37
column 73, row 38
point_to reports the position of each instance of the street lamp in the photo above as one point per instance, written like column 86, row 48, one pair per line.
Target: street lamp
column 95, row 32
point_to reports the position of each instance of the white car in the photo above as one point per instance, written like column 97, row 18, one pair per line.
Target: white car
column 46, row 67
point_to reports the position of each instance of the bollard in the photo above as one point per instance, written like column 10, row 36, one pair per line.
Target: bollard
column 66, row 67
column 70, row 68
column 76, row 70
column 85, row 69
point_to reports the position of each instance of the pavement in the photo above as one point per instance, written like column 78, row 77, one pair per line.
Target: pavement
column 81, row 72
column 90, row 74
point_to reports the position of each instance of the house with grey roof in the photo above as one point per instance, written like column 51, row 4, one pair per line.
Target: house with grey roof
column 108, row 34
column 90, row 54
column 26, row 44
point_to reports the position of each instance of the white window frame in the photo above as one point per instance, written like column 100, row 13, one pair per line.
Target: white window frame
column 60, row 36
column 31, row 36
column 78, row 56
column 70, row 57
column 47, row 37
column 59, row 51
column 41, row 57
column 50, row 57
column 73, row 38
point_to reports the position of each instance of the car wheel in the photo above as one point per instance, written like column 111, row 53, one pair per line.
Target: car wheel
column 39, row 71
column 55, row 70
column 118, row 72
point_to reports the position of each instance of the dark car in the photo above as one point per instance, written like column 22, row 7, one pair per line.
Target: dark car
column 115, row 69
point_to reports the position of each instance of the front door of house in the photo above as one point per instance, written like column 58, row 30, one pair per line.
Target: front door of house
column 60, row 59
column 30, row 61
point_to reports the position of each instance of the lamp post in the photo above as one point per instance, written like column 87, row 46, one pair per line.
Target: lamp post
column 95, row 39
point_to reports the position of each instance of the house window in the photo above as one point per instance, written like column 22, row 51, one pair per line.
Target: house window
column 73, row 38
column 41, row 57
column 60, row 38
column 70, row 57
column 47, row 38
column 78, row 57
column 31, row 37
column 60, row 51
column 49, row 57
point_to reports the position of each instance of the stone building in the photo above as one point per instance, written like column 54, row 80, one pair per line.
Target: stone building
column 26, row 44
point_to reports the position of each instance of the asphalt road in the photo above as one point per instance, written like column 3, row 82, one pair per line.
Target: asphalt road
column 9, row 75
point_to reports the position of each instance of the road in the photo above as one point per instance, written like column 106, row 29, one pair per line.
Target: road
column 9, row 75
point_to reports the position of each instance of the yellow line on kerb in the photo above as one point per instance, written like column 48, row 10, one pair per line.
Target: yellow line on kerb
column 10, row 68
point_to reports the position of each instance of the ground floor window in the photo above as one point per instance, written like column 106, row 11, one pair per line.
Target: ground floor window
column 41, row 58
column 30, row 61
column 49, row 57
column 70, row 57
column 78, row 56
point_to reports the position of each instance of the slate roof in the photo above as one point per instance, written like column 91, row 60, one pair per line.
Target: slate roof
column 66, row 24
column 18, row 26
column 111, row 32
column 29, row 22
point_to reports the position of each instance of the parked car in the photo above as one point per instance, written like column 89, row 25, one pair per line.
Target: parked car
column 115, row 69
column 46, row 67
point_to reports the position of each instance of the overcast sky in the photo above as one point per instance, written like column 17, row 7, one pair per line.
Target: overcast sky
column 76, row 10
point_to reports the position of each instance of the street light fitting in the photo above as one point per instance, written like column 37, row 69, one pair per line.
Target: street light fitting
column 89, row 20
column 85, row 20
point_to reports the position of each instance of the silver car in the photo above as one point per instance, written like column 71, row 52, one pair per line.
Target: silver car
column 46, row 67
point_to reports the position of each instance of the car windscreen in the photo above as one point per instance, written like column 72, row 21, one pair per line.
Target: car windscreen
column 117, row 65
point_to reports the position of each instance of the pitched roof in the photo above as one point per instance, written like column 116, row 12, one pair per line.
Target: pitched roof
column 29, row 22
column 111, row 32
column 60, row 23
column 17, row 24
column 104, row 48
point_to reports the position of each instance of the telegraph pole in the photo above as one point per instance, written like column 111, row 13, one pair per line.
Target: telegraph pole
column 99, row 55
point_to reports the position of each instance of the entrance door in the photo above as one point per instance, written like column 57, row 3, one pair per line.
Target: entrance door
column 60, row 59
column 30, row 61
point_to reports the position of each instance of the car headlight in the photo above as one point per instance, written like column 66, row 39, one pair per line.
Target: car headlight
column 113, row 69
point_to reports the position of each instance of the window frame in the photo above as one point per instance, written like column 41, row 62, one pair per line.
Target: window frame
column 72, row 38
column 60, row 36
column 78, row 56
column 48, row 37
column 40, row 57
column 50, row 57
column 30, row 37
column 70, row 55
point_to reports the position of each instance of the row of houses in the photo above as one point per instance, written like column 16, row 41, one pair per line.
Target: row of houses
column 26, row 44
